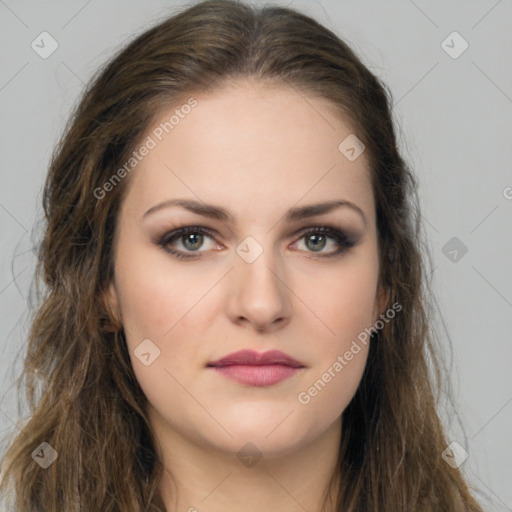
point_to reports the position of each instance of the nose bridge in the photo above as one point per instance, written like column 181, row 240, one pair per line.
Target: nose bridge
column 260, row 295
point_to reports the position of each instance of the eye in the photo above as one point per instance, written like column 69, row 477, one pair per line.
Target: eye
column 192, row 239
column 317, row 239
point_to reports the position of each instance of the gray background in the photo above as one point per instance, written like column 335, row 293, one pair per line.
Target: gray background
column 454, row 116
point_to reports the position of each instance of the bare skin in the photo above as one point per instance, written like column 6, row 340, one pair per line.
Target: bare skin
column 257, row 152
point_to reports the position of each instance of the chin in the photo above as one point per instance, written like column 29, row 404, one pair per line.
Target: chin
column 271, row 438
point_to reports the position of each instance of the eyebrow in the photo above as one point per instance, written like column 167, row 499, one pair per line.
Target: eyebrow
column 292, row 215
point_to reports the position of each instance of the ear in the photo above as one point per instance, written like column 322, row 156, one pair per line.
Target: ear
column 110, row 303
column 381, row 302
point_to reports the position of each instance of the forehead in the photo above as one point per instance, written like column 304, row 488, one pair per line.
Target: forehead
column 252, row 147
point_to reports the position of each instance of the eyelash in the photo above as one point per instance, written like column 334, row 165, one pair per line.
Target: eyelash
column 330, row 231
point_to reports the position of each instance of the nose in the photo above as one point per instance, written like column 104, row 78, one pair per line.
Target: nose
column 260, row 296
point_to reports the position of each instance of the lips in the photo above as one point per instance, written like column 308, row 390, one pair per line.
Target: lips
column 253, row 358
column 253, row 369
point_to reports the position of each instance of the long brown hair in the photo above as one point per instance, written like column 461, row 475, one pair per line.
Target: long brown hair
column 84, row 399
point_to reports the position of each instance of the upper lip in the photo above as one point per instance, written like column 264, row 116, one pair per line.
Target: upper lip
column 251, row 357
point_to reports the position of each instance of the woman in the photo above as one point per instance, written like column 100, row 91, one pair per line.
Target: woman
column 235, row 315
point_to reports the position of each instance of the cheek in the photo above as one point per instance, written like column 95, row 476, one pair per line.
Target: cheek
column 160, row 308
column 155, row 295
column 345, row 304
column 342, row 300
column 327, row 394
column 341, row 352
column 169, row 307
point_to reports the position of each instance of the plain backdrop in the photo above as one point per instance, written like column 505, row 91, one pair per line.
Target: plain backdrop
column 453, row 108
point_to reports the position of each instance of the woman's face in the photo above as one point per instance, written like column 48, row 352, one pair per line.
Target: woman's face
column 251, row 278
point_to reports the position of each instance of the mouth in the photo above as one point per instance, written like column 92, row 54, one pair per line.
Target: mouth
column 253, row 369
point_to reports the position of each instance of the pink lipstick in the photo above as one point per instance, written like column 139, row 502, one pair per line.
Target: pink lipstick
column 254, row 369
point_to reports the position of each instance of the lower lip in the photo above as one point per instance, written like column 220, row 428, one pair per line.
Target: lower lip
column 257, row 375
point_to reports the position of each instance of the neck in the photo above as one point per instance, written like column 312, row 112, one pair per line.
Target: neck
column 198, row 477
